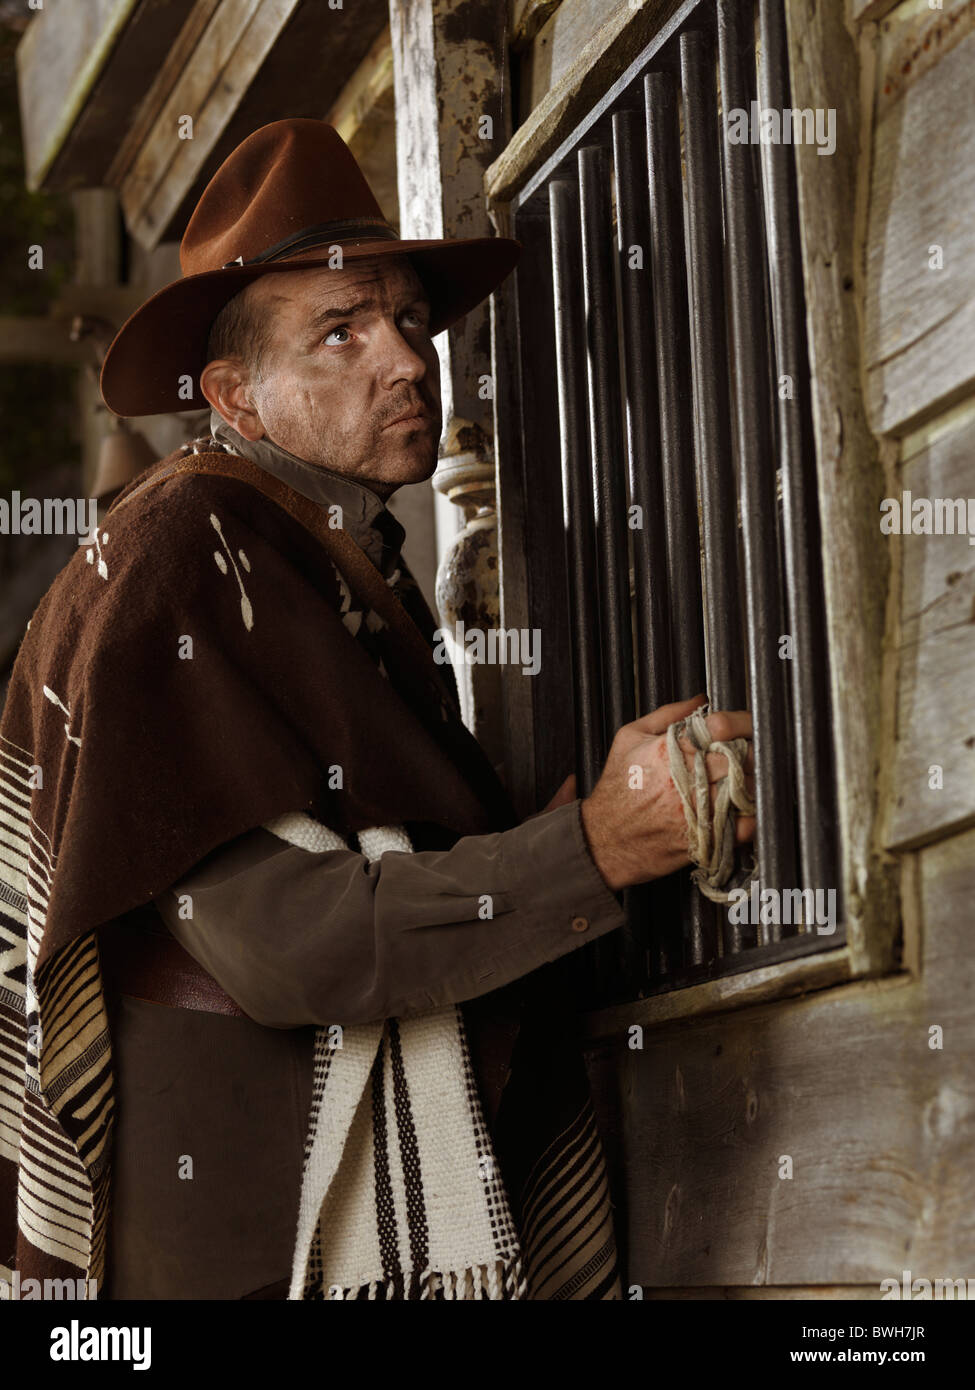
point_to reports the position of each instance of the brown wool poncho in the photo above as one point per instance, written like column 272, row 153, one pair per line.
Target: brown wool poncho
column 202, row 667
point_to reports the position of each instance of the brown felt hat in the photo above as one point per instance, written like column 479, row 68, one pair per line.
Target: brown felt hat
column 290, row 187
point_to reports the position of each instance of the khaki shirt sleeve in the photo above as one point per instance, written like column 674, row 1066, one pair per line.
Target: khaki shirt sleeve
column 298, row 938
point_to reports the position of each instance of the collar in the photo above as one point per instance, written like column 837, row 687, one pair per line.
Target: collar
column 364, row 516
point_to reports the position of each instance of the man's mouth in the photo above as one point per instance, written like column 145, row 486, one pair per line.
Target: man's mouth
column 413, row 420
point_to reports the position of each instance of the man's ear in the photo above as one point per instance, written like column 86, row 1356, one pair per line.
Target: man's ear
column 226, row 385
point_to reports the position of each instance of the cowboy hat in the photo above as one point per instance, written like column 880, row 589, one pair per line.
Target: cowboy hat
column 291, row 186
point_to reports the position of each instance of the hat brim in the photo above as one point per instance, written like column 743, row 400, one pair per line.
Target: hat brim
column 154, row 363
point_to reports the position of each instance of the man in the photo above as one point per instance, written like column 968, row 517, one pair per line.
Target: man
column 226, row 691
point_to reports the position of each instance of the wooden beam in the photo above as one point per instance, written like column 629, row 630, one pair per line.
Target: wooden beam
column 208, row 90
column 38, row 340
column 449, row 81
column 525, row 18
column 365, row 117
column 857, row 569
column 240, row 75
column 576, row 79
column 112, row 302
column 82, row 72
column 137, row 131
column 369, row 85
column 784, row 980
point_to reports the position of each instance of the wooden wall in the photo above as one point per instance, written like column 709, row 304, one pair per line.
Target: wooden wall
column 867, row 1087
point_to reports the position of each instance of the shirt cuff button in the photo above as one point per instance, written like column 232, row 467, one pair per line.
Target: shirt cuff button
column 580, row 924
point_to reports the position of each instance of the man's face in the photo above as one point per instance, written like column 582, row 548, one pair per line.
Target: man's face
column 349, row 357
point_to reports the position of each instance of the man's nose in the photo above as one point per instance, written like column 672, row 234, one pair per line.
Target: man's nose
column 399, row 358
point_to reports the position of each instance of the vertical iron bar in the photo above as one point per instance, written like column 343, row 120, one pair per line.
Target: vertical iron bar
column 676, row 430
column 716, row 467
column 756, row 471
column 616, row 957
column 594, row 967
column 674, row 383
column 654, row 666
column 715, row 456
column 577, row 510
column 655, row 902
column 605, row 438
column 803, row 574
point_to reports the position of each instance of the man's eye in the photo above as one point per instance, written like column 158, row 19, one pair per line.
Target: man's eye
column 333, row 333
column 416, row 315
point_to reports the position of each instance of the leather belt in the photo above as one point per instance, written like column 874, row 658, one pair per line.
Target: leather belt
column 142, row 959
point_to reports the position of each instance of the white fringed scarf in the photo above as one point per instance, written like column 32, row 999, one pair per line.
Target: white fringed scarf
column 401, row 1194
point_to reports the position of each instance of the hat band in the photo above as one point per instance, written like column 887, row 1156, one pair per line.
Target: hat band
column 322, row 235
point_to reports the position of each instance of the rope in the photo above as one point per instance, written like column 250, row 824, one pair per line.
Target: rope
column 711, row 846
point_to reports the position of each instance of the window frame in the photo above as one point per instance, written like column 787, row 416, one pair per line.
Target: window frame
column 856, row 588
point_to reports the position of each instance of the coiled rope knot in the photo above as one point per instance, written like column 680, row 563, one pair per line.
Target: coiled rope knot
column 711, row 845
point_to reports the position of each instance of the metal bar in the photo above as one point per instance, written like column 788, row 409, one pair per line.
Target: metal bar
column 715, row 457
column 606, row 439
column 642, row 410
column 577, row 510
column 674, row 384
column 676, row 430
column 800, row 512
column 595, row 969
column 756, row 469
column 541, row 536
column 621, row 958
column 655, row 903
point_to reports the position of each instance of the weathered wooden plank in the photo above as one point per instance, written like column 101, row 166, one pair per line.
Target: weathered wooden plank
column 365, row 117
column 178, row 55
column 112, row 302
column 856, row 568
column 861, row 10
column 38, row 340
column 617, row 35
column 207, row 91
column 934, row 774
column 556, row 47
column 241, row 76
column 370, row 84
column 82, row 73
column 782, row 981
column 879, row 1125
column 58, row 60
column 525, row 18
column 919, row 309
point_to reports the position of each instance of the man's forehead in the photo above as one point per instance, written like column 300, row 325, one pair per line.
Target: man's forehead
column 372, row 278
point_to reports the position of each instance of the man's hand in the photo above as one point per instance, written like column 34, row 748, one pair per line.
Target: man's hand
column 638, row 832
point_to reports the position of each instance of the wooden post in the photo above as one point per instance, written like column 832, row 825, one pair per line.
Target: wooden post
column 97, row 260
column 451, row 122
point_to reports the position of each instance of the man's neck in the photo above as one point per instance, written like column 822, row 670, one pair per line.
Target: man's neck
column 364, row 514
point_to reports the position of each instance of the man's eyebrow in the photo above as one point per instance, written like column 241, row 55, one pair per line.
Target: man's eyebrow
column 329, row 315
